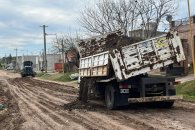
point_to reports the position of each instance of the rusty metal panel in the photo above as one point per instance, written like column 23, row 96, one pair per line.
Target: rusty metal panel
column 85, row 72
column 178, row 48
column 99, row 71
column 142, row 57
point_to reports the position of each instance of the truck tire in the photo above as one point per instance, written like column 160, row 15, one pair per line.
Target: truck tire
column 110, row 97
column 83, row 90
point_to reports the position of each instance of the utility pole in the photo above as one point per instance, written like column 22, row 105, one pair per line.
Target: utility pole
column 190, row 35
column 16, row 67
column 45, row 53
column 103, row 29
column 63, row 56
column 5, row 61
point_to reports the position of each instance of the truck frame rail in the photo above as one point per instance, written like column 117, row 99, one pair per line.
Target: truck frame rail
column 154, row 99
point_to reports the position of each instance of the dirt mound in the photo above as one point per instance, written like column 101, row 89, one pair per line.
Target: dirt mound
column 105, row 43
column 79, row 105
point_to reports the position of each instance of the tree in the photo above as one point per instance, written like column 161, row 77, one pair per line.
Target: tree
column 109, row 16
column 67, row 41
column 66, row 44
column 125, row 15
column 9, row 59
column 154, row 11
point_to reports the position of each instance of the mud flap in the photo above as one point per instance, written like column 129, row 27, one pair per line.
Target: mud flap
column 121, row 99
column 171, row 92
column 114, row 98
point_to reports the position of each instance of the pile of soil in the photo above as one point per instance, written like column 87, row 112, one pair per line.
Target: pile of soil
column 105, row 43
column 10, row 117
column 79, row 105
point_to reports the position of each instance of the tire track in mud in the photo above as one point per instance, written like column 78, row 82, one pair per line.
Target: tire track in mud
column 48, row 99
column 54, row 86
column 99, row 120
column 91, row 124
column 70, row 116
column 163, row 118
column 27, row 111
column 125, row 120
column 87, row 120
column 47, row 93
column 42, row 109
column 42, row 94
column 65, row 93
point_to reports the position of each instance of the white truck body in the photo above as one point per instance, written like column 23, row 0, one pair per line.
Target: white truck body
column 134, row 59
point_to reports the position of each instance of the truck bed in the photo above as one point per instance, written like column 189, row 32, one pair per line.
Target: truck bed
column 134, row 59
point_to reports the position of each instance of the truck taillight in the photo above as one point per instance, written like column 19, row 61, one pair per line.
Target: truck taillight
column 123, row 86
column 176, row 82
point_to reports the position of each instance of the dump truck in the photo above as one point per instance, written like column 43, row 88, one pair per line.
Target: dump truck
column 115, row 67
column 27, row 69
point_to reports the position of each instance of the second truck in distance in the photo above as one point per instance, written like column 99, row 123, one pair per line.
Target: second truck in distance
column 27, row 69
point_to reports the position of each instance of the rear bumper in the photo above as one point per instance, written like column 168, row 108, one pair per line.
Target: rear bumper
column 154, row 99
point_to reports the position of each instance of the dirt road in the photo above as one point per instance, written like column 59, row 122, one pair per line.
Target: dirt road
column 50, row 106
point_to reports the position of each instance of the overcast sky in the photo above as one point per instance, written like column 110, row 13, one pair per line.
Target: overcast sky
column 20, row 22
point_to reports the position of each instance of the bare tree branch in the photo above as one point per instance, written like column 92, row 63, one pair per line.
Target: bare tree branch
column 126, row 15
column 109, row 16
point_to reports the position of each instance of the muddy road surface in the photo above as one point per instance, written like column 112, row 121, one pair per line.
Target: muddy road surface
column 50, row 106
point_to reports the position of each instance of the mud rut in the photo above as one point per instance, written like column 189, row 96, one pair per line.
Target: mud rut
column 45, row 106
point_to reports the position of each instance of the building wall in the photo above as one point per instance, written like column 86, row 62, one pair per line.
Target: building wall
column 38, row 61
column 72, row 56
column 21, row 59
column 144, row 34
column 19, row 62
column 51, row 60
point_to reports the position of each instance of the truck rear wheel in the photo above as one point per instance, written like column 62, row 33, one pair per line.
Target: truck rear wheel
column 83, row 90
column 110, row 97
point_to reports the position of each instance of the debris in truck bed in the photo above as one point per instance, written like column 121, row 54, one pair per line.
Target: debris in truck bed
column 105, row 43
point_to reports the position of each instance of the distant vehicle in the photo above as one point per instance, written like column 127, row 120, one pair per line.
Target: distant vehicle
column 10, row 68
column 116, row 68
column 27, row 69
